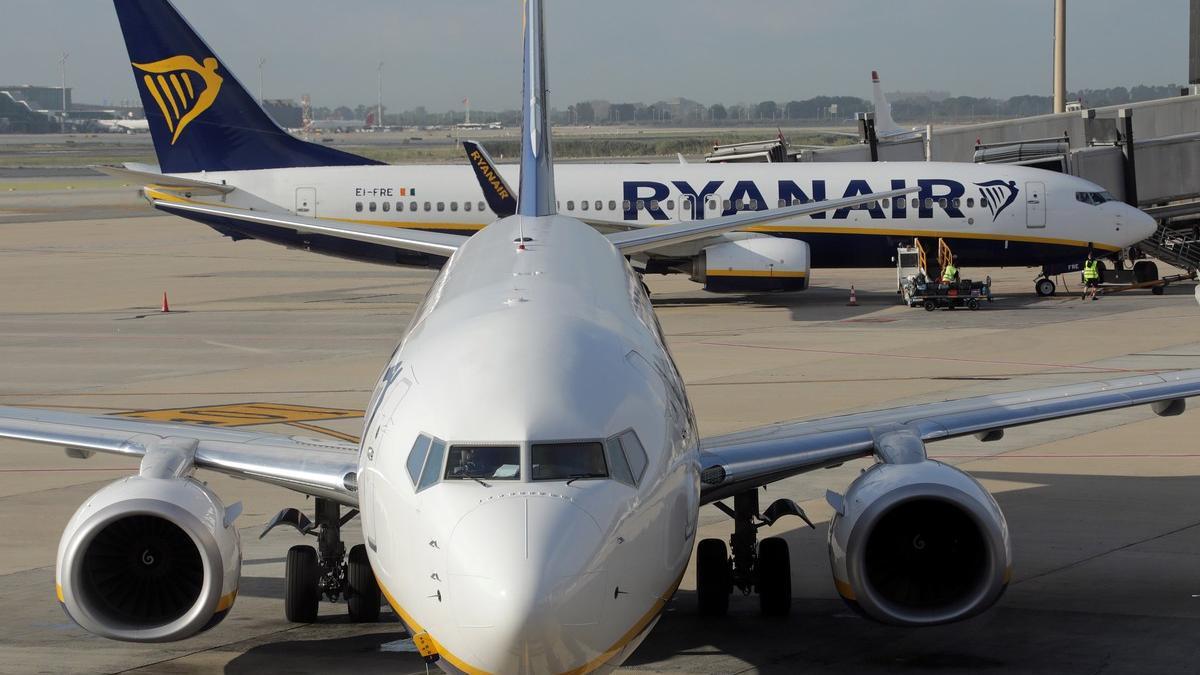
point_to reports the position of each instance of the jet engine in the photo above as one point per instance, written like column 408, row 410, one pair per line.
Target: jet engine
column 759, row 263
column 150, row 560
column 918, row 544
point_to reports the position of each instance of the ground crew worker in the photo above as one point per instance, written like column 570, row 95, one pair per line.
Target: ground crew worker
column 1091, row 277
column 950, row 272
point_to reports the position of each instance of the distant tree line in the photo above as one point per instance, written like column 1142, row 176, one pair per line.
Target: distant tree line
column 910, row 108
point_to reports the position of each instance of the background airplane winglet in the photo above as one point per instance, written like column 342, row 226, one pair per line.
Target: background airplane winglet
column 500, row 197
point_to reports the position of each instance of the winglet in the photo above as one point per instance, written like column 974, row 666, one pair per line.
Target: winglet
column 536, row 192
column 500, row 197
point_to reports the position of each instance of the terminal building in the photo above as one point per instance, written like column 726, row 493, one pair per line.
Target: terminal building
column 30, row 109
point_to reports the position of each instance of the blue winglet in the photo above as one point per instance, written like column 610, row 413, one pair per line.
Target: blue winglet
column 535, row 196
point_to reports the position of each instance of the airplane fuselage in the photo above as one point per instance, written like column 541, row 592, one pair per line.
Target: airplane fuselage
column 512, row 352
column 992, row 215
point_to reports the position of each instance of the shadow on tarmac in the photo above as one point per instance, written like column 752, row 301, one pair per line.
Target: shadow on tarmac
column 1076, row 606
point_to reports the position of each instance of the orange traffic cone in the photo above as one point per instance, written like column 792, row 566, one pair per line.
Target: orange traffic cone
column 165, row 307
column 853, row 298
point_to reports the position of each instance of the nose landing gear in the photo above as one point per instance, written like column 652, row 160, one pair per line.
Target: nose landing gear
column 763, row 567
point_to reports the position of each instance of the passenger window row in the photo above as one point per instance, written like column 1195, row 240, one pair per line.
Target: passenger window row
column 669, row 205
column 415, row 206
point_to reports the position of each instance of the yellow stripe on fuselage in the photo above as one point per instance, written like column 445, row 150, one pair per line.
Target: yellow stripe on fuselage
column 943, row 234
column 659, row 603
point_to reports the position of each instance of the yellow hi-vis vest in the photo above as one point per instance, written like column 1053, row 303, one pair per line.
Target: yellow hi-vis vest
column 1091, row 269
column 950, row 272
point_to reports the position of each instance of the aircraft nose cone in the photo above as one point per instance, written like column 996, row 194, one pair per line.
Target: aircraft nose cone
column 1144, row 225
column 524, row 585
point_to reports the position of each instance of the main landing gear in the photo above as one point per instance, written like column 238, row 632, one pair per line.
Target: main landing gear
column 1044, row 287
column 326, row 571
column 757, row 566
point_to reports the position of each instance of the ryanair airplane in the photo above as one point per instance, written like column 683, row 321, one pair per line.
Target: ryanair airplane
column 546, row 530
column 225, row 163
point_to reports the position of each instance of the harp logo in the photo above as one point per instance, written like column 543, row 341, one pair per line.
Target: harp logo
column 1000, row 195
column 182, row 87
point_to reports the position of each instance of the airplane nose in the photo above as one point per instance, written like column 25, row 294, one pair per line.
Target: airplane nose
column 1144, row 224
column 526, row 588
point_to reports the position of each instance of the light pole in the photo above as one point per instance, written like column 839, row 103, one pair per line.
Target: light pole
column 379, row 110
column 63, row 120
column 262, row 61
column 1060, row 56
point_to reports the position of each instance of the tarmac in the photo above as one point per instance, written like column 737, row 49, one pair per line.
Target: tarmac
column 1103, row 510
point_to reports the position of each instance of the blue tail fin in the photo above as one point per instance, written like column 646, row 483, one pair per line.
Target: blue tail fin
column 535, row 196
column 201, row 117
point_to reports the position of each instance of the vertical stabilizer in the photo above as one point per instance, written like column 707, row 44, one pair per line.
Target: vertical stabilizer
column 884, row 124
column 200, row 117
column 535, row 195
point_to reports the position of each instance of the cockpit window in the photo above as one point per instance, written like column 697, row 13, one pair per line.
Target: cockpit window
column 568, row 461
column 635, row 453
column 626, row 458
column 416, row 458
column 433, row 464
column 1094, row 198
column 484, row 462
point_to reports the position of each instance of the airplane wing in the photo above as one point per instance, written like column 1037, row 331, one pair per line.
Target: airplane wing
column 318, row 467
column 142, row 174
column 666, row 235
column 735, row 462
column 436, row 243
column 502, row 199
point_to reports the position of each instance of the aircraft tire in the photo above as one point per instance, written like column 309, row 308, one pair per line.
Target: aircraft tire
column 774, row 577
column 300, row 579
column 362, row 594
column 1044, row 288
column 714, row 579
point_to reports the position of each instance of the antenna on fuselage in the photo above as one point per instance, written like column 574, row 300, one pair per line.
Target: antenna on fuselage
column 535, row 196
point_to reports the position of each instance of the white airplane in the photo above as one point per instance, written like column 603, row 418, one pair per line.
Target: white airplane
column 530, row 473
column 126, row 126
column 886, row 127
column 218, row 150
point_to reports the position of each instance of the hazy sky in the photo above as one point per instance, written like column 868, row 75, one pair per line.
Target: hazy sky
column 439, row 51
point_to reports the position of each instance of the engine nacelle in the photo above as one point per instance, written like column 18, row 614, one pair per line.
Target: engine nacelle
column 149, row 560
column 919, row 544
column 754, row 264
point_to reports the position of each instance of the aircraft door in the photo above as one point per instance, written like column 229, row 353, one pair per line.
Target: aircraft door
column 687, row 208
column 306, row 202
column 1035, row 204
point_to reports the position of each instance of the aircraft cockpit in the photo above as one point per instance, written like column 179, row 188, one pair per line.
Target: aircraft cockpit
column 621, row 458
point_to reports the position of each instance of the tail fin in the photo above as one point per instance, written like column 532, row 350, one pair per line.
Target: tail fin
column 201, row 117
column 884, row 123
column 535, row 195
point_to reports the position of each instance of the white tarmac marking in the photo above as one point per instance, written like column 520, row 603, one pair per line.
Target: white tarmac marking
column 252, row 350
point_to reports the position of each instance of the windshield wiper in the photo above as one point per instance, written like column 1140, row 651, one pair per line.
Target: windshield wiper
column 577, row 476
column 475, row 478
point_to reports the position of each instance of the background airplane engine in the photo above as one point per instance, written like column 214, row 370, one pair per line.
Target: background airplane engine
column 150, row 560
column 919, row 544
column 754, row 264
